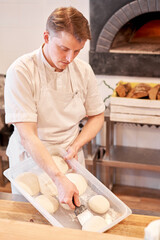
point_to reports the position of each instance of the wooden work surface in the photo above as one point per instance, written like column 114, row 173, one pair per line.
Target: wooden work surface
column 23, row 221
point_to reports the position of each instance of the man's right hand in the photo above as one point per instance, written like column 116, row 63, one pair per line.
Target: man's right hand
column 66, row 191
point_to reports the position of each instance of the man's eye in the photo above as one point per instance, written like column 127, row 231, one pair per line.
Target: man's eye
column 64, row 49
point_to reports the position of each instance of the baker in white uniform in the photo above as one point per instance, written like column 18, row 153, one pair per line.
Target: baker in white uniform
column 47, row 93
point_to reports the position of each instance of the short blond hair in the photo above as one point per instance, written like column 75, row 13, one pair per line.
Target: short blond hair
column 69, row 19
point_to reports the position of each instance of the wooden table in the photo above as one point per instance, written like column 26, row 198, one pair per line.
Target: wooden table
column 20, row 220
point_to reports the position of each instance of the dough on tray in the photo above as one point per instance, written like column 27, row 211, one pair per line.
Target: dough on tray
column 99, row 204
column 94, row 224
column 108, row 218
column 29, row 182
column 47, row 186
column 49, row 203
column 79, row 181
column 61, row 164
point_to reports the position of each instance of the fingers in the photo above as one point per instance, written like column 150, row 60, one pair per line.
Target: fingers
column 73, row 202
column 76, row 200
column 72, row 199
column 71, row 153
column 70, row 204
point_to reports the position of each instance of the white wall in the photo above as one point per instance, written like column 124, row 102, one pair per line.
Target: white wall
column 22, row 23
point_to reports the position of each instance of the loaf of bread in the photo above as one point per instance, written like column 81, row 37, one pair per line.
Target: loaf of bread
column 123, row 89
column 141, row 90
column 153, row 92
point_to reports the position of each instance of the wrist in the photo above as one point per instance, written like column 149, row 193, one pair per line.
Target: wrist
column 57, row 175
column 76, row 147
column 58, row 178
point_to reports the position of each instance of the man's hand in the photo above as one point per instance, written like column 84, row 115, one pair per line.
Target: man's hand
column 36, row 149
column 66, row 191
column 72, row 152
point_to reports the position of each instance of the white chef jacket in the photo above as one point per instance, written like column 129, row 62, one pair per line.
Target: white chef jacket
column 23, row 89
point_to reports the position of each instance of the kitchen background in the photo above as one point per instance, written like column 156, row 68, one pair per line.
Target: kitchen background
column 22, row 23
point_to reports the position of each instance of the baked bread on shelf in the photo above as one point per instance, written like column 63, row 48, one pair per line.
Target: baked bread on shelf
column 140, row 90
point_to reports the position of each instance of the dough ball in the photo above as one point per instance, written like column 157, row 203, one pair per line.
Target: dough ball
column 108, row 218
column 79, row 181
column 29, row 182
column 94, row 224
column 99, row 204
column 152, row 231
column 61, row 164
column 50, row 204
column 47, row 186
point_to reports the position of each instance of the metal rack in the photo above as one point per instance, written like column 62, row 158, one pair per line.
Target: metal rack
column 112, row 156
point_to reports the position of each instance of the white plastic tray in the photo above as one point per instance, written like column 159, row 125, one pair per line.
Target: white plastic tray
column 66, row 218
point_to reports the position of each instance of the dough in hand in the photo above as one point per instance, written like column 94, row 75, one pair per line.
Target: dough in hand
column 99, row 204
column 94, row 224
column 29, row 182
column 79, row 181
column 61, row 164
column 50, row 204
column 47, row 186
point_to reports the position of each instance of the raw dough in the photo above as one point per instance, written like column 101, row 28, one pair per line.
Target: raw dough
column 152, row 231
column 61, row 164
column 108, row 218
column 50, row 204
column 47, row 186
column 94, row 224
column 99, row 204
column 79, row 181
column 29, row 182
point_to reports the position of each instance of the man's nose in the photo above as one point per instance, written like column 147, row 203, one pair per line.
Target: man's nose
column 70, row 56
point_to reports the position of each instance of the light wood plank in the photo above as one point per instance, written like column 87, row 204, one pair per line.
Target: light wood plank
column 146, row 103
column 15, row 230
column 133, row 118
column 20, row 211
column 131, row 227
column 135, row 110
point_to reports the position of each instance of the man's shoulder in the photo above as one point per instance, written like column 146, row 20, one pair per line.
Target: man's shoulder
column 24, row 62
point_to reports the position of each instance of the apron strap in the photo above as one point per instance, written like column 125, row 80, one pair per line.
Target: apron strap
column 73, row 79
column 42, row 72
column 41, row 68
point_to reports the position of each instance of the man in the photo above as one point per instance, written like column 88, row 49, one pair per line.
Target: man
column 47, row 93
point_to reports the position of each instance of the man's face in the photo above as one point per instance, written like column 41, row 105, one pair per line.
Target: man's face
column 61, row 49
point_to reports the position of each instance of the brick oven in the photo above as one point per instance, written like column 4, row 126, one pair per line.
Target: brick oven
column 125, row 37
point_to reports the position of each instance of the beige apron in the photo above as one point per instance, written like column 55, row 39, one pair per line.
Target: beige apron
column 58, row 117
column 59, row 113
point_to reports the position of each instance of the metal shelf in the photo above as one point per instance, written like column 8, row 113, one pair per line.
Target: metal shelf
column 112, row 157
column 132, row 157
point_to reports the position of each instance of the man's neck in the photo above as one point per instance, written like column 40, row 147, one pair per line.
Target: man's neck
column 44, row 51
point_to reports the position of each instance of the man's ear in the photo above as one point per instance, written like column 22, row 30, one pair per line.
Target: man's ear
column 46, row 36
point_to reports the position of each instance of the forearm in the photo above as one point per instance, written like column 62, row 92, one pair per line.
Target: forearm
column 89, row 131
column 36, row 149
column 39, row 153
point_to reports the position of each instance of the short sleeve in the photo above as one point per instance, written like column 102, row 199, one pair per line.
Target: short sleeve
column 20, row 105
column 94, row 104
